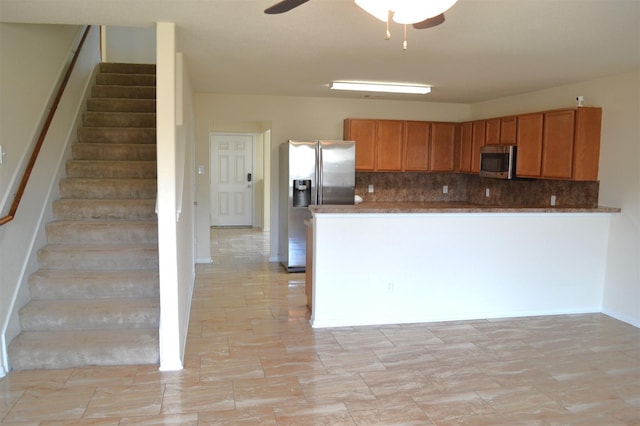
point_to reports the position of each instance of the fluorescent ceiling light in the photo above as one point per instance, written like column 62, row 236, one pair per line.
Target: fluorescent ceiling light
column 380, row 87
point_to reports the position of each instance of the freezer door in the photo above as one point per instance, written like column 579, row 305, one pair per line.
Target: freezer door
column 298, row 190
column 336, row 172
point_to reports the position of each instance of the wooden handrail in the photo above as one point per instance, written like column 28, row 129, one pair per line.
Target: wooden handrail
column 43, row 133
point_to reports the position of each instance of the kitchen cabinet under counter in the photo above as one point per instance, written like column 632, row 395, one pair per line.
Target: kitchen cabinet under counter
column 392, row 263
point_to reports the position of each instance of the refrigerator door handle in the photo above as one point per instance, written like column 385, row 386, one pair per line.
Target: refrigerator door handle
column 319, row 175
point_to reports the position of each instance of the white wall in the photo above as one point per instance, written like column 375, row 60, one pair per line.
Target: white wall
column 290, row 118
column 33, row 59
column 185, row 144
column 619, row 97
column 129, row 45
column 410, row 268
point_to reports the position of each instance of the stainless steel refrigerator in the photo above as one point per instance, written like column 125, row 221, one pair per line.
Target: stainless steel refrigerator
column 311, row 172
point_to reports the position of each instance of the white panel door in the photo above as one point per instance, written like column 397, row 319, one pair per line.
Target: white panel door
column 231, row 179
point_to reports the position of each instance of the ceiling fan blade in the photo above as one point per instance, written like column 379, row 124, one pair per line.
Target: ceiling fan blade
column 283, row 6
column 428, row 23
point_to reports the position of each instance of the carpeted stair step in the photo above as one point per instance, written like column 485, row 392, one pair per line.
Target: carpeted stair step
column 102, row 231
column 65, row 349
column 80, row 208
column 108, row 188
column 117, row 135
column 124, row 68
column 77, row 285
column 111, row 169
column 119, row 119
column 120, row 79
column 90, row 314
column 110, row 91
column 88, row 257
column 121, row 105
column 119, row 152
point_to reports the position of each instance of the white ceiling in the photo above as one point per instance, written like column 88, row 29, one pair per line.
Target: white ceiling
column 486, row 49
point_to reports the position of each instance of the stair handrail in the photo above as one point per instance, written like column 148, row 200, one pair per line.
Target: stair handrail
column 43, row 133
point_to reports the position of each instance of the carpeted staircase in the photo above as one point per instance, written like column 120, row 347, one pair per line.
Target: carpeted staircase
column 95, row 299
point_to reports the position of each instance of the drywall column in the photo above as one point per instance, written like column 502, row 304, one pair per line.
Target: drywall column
column 170, row 358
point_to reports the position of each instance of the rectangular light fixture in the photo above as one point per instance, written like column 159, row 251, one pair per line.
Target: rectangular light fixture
column 380, row 87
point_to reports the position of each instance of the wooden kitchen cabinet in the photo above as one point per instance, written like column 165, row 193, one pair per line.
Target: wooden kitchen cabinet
column 557, row 144
column 389, row 145
column 466, row 148
column 508, row 127
column 529, row 141
column 416, row 145
column 363, row 132
column 586, row 144
column 560, row 144
column 443, row 147
column 571, row 143
column 492, row 131
column 477, row 142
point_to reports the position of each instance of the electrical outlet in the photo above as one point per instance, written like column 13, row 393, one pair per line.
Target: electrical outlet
column 445, row 189
column 370, row 188
column 390, row 287
column 553, row 200
column 2, row 154
column 487, row 192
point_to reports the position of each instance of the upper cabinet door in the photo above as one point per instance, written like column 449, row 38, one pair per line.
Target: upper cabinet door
column 443, row 147
column 586, row 146
column 492, row 131
column 466, row 148
column 557, row 144
column 389, row 137
column 416, row 145
column 363, row 132
column 508, row 126
column 477, row 142
column 529, row 140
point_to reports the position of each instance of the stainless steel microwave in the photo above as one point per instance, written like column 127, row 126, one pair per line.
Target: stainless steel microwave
column 498, row 161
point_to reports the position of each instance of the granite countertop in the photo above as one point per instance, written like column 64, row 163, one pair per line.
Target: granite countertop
column 450, row 207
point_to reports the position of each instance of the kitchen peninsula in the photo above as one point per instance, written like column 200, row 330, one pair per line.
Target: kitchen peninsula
column 410, row 262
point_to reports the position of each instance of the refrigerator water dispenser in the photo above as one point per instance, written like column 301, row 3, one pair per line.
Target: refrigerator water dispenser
column 301, row 192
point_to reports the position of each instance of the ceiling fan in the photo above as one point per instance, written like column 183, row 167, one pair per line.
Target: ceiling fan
column 286, row 5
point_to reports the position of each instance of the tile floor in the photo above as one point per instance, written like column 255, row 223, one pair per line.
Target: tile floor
column 251, row 358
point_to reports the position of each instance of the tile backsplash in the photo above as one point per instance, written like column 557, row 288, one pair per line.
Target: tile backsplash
column 431, row 187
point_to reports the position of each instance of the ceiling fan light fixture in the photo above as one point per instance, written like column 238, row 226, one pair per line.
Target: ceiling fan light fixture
column 362, row 86
column 405, row 11
column 411, row 11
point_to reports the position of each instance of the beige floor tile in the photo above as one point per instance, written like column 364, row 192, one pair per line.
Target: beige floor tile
column 388, row 412
column 193, row 398
column 163, row 420
column 50, row 402
column 126, row 401
column 312, row 415
column 272, row 392
column 252, row 416
column 330, row 388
